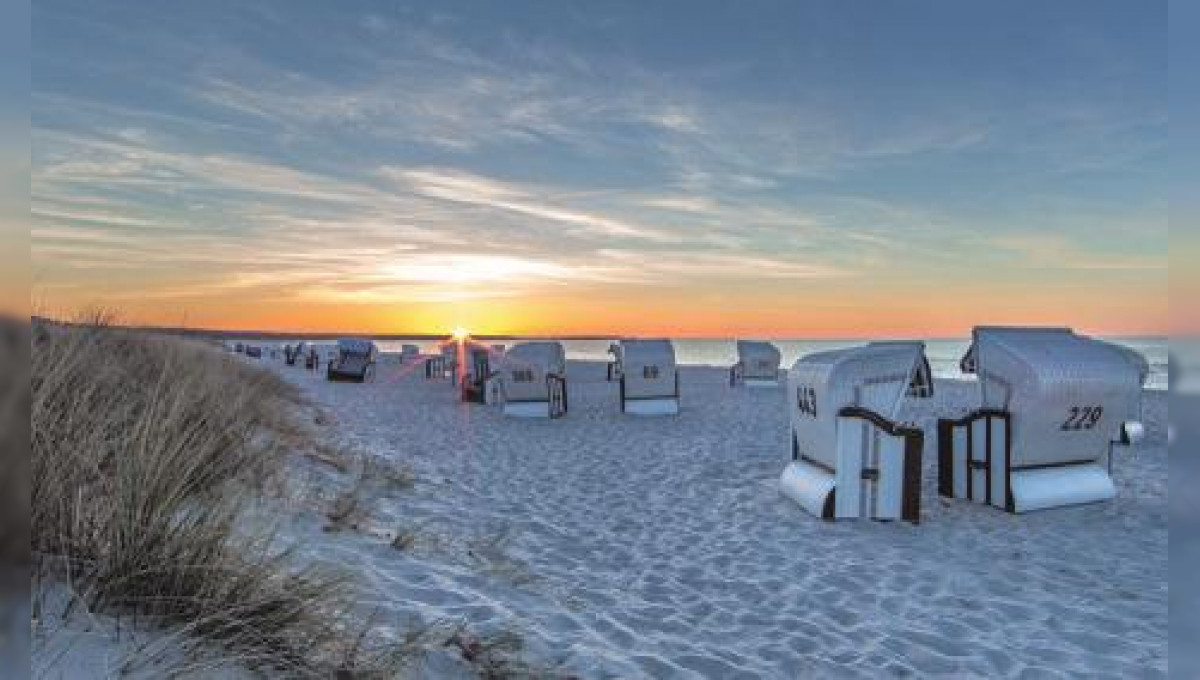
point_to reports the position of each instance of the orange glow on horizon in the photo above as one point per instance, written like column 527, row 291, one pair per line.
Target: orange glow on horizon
column 852, row 314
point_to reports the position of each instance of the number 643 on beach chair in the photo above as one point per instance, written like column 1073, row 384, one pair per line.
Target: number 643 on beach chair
column 851, row 458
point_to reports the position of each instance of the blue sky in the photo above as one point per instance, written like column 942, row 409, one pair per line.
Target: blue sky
column 14, row 156
column 401, row 163
column 1185, row 173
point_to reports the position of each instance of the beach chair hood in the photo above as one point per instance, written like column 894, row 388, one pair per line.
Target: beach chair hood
column 1068, row 394
column 347, row 346
column 526, row 367
column 648, row 369
column 353, row 359
column 876, row 377
column 758, row 360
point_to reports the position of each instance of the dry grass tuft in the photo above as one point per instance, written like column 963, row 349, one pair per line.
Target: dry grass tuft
column 145, row 455
column 369, row 475
column 490, row 553
column 405, row 539
column 391, row 474
column 143, row 452
column 498, row 656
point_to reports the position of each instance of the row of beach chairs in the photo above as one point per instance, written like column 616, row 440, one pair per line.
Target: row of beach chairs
column 1051, row 405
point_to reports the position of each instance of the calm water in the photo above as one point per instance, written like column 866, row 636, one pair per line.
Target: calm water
column 943, row 354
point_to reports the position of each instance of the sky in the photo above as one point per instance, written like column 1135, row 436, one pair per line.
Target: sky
column 14, row 157
column 1185, row 169
column 777, row 169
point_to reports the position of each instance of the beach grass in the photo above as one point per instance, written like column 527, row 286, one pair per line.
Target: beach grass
column 147, row 453
column 144, row 453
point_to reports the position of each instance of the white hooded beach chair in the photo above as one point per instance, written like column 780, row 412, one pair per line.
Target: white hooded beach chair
column 1051, row 406
column 534, row 380
column 479, row 384
column 353, row 361
column 444, row 363
column 757, row 365
column 297, row 352
column 851, row 458
column 649, row 377
column 409, row 353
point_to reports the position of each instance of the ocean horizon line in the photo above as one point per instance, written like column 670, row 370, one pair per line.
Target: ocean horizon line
column 427, row 336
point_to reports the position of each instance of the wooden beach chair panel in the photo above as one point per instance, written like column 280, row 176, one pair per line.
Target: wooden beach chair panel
column 474, row 382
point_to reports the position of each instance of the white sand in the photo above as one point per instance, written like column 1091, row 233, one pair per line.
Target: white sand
column 626, row 547
column 70, row 643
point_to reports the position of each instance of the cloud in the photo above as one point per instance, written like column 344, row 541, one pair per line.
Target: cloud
column 682, row 203
column 430, row 90
column 409, row 162
column 456, row 268
column 691, row 267
column 397, row 233
column 93, row 217
column 470, row 189
column 1057, row 251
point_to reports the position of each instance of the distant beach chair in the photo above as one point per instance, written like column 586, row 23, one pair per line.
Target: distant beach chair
column 534, row 380
column 434, row 368
column 477, row 381
column 254, row 352
column 300, row 352
column 614, row 364
column 1052, row 405
column 409, row 353
column 850, row 456
column 353, row 362
column 649, row 377
column 757, row 365
column 443, row 364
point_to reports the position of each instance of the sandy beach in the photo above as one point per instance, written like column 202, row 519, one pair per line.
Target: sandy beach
column 618, row 546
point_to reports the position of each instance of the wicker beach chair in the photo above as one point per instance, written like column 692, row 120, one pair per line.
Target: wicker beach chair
column 354, row 361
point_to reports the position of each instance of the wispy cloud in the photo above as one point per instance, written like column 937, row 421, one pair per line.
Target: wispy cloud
column 683, row 268
column 1058, row 252
column 469, row 189
column 94, row 217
